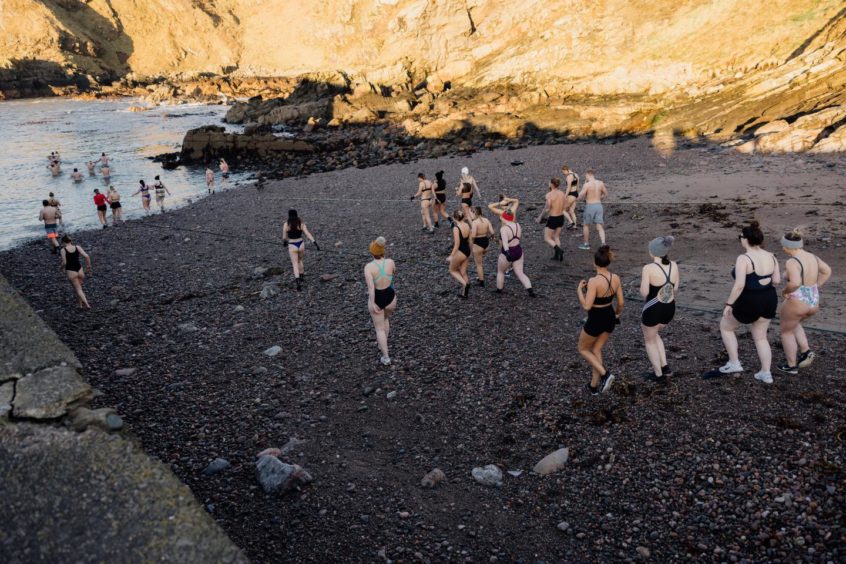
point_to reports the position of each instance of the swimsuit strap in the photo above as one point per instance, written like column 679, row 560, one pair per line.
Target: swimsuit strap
column 610, row 286
column 752, row 261
column 513, row 234
column 801, row 269
column 381, row 267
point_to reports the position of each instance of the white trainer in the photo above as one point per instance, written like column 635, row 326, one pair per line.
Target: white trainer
column 386, row 360
column 764, row 377
column 731, row 368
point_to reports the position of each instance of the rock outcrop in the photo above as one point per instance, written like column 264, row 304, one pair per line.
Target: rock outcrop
column 720, row 70
column 212, row 142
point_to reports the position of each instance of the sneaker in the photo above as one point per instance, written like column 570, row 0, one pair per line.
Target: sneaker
column 787, row 369
column 666, row 370
column 385, row 360
column 731, row 368
column 466, row 292
column 593, row 391
column 480, row 283
column 531, row 292
column 653, row 378
column 764, row 377
column 606, row 383
column 584, row 247
column 806, row 359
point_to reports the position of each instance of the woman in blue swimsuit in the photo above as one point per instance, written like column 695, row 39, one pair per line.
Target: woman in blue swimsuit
column 381, row 297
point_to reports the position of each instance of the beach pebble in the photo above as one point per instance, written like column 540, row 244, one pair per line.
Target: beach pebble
column 552, row 462
column 125, row 371
column 433, row 478
column 215, row 466
column 489, row 475
column 273, row 351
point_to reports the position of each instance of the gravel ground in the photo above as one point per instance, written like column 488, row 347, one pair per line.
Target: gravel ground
column 714, row 470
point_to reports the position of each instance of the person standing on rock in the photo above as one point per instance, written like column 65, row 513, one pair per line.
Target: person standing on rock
column 114, row 203
column 292, row 238
column 804, row 274
column 209, row 180
column 440, row 198
column 72, row 266
column 482, row 232
column 659, row 286
column 51, row 216
column 144, row 190
column 161, row 190
column 593, row 193
column 459, row 258
column 752, row 301
column 426, row 193
column 571, row 187
column 511, row 254
column 595, row 296
column 556, row 201
column 381, row 297
column 100, row 201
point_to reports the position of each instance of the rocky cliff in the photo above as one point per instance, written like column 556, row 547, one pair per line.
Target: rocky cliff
column 704, row 67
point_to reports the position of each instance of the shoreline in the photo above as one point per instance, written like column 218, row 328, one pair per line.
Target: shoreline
column 490, row 380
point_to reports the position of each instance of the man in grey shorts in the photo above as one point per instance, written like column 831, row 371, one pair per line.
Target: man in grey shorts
column 592, row 193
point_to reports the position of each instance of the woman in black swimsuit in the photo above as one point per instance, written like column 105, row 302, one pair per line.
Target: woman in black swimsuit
column 571, row 187
column 426, row 193
column 753, row 301
column 659, row 286
column 595, row 296
column 381, row 297
column 73, row 268
column 440, row 198
column 481, row 235
column 511, row 254
column 459, row 258
column 292, row 237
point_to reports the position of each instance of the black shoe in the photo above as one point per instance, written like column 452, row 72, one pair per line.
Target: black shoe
column 666, row 370
column 480, row 283
column 787, row 369
column 713, row 374
column 105, row 227
column 531, row 292
column 559, row 253
column 436, row 224
column 653, row 378
column 54, row 249
column 499, row 290
column 593, row 391
column 607, row 382
column 299, row 284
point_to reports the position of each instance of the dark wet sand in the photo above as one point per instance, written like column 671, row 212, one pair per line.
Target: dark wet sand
column 715, row 470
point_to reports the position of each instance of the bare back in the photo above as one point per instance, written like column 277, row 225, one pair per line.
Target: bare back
column 49, row 214
column 594, row 191
column 556, row 200
column 373, row 273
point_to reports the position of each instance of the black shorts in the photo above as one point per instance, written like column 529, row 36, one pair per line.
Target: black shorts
column 102, row 208
column 468, row 201
column 440, row 196
column 754, row 305
column 600, row 320
column 115, row 205
column 555, row 221
column 482, row 241
column 658, row 314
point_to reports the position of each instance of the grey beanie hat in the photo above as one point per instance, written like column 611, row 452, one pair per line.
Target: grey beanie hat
column 660, row 246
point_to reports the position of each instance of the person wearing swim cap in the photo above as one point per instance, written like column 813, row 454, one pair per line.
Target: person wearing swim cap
column 752, row 301
column 596, row 296
column 381, row 297
column 426, row 193
column 466, row 188
column 511, row 253
column 292, row 237
column 555, row 202
column 804, row 276
column 659, row 286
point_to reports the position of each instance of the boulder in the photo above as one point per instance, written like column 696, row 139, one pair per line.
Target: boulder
column 834, row 143
column 103, row 418
column 216, row 466
column 489, row 475
column 433, row 478
column 772, row 127
column 7, row 393
column 276, row 476
column 552, row 462
column 47, row 393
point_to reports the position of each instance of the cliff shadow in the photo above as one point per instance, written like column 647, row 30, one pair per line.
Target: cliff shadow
column 27, row 78
column 93, row 43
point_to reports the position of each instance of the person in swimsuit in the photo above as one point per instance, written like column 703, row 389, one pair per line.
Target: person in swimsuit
column 114, row 203
column 481, row 235
column 224, row 168
column 55, row 168
column 381, row 297
column 104, row 160
column 556, row 201
column 209, row 180
column 292, row 237
column 100, row 201
column 466, row 188
column 593, row 193
column 459, row 257
column 659, row 286
column 51, row 216
column 511, row 254
column 76, row 175
column 73, row 269
column 106, row 172
column 90, row 166
column 161, row 190
column 753, row 301
column 440, row 198
column 595, row 297
column 571, row 187
column 804, row 274
column 426, row 193
column 144, row 190
column 53, row 201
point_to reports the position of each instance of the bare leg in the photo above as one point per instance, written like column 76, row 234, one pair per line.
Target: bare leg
column 300, row 256
column 557, row 237
column 464, row 266
column 549, row 236
column 588, row 348
column 759, row 335
column 586, row 233
column 654, row 347
column 801, row 338
column 521, row 276
column 789, row 324
column 381, row 332
column 295, row 261
column 455, row 266
column 727, row 329
column 76, row 279
column 601, row 230
column 501, row 267
column 479, row 259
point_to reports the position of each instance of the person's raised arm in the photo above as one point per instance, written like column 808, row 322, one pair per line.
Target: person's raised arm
column 515, row 203
column 494, row 207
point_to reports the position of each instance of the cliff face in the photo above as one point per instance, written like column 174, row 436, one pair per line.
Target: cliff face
column 710, row 66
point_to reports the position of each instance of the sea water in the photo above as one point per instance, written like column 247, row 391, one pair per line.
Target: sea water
column 80, row 131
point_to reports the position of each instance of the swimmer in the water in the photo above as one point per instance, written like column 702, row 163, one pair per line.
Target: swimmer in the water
column 161, row 191
column 144, row 190
column 76, row 175
column 53, row 200
column 90, row 166
column 106, row 172
column 55, row 168
column 104, row 160
column 224, row 168
column 556, row 201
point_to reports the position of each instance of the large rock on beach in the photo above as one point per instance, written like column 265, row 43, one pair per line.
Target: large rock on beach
column 211, row 142
column 276, row 476
column 46, row 394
